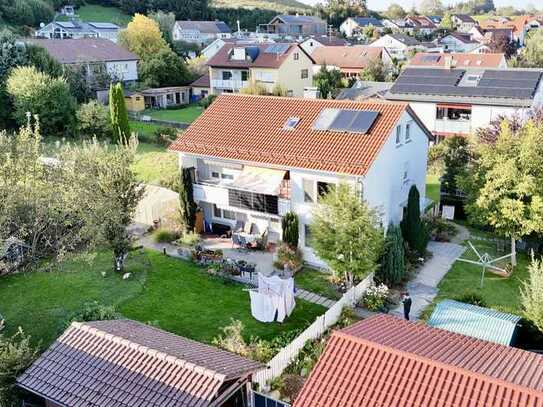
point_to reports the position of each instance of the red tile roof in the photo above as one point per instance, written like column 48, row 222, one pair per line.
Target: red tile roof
column 126, row 363
column 250, row 128
column 260, row 58
column 345, row 57
column 460, row 60
column 386, row 361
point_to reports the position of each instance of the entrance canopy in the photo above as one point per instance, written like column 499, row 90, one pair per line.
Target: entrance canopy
column 259, row 180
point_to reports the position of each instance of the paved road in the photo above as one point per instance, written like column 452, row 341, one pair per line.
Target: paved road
column 423, row 288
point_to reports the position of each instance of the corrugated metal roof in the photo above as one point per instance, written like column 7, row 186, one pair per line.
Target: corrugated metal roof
column 471, row 320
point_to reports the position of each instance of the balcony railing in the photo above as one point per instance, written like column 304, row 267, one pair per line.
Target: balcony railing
column 235, row 84
column 453, row 126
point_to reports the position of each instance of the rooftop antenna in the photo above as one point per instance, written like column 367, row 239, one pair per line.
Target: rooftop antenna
column 485, row 261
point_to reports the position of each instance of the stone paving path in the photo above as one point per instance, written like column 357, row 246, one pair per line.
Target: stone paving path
column 423, row 288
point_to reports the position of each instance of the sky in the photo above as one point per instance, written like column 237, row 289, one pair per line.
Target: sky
column 407, row 4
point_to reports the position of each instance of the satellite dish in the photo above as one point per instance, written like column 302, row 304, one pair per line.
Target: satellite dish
column 42, row 25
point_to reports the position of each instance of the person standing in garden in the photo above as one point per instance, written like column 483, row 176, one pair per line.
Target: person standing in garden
column 406, row 301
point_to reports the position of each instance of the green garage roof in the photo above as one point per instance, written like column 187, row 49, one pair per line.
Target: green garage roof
column 471, row 320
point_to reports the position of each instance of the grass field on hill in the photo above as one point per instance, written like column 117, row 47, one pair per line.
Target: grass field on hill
column 101, row 14
column 279, row 5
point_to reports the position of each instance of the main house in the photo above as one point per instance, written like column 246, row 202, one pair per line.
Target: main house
column 234, row 66
column 458, row 101
column 93, row 53
column 76, row 29
column 255, row 158
column 200, row 32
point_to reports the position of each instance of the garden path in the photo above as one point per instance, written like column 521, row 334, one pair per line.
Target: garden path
column 423, row 288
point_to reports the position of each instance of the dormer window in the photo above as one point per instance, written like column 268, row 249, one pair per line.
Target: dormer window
column 291, row 123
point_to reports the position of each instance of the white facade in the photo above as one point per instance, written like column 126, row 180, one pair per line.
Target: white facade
column 62, row 30
column 124, row 71
column 395, row 48
column 452, row 44
column 400, row 164
column 195, row 36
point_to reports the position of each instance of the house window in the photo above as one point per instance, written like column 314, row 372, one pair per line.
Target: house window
column 290, row 93
column 244, row 76
column 226, row 75
column 305, row 73
column 230, row 215
column 216, row 211
column 309, row 190
column 405, row 175
column 408, row 132
column 398, row 134
column 215, row 174
column 307, row 236
column 296, row 56
column 323, row 188
column 291, row 123
column 227, row 176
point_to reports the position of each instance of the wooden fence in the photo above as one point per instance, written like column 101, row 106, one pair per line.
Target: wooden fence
column 279, row 362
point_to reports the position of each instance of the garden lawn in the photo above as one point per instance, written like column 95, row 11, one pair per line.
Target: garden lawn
column 100, row 14
column 176, row 295
column 154, row 164
column 317, row 282
column 498, row 292
column 182, row 299
column 182, row 115
column 432, row 188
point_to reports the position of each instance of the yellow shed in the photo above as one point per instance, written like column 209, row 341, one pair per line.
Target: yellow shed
column 134, row 101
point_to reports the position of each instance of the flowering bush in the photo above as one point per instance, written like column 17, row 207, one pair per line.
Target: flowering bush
column 375, row 297
column 290, row 256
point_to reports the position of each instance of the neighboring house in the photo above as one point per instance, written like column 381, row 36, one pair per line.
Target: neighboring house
column 211, row 50
column 349, row 60
column 457, row 42
column 255, row 158
column 294, row 25
column 162, row 98
column 458, row 101
column 127, row 363
column 76, row 29
column 458, row 60
column 399, row 25
column 355, row 25
column 478, row 322
column 200, row 32
column 398, row 45
column 201, row 87
column 387, row 361
column 435, row 19
column 422, row 24
column 310, row 44
column 519, row 25
column 285, row 64
column 363, row 90
column 463, row 22
column 93, row 53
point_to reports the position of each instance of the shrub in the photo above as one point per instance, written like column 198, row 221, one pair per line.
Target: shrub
column 413, row 230
column 532, row 294
column 439, row 229
column 392, row 270
column 207, row 101
column 232, row 339
column 93, row 120
column 93, row 311
column 164, row 235
column 290, row 229
column 286, row 255
column 16, row 355
column 375, row 297
column 189, row 239
column 164, row 136
column 472, row 297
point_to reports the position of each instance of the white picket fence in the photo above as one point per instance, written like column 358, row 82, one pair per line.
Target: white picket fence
column 279, row 363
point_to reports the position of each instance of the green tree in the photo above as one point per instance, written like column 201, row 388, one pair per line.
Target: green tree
column 93, row 120
column 395, row 11
column 11, row 56
column 346, row 234
column 413, row 230
column 374, row 71
column 336, row 11
column 39, row 58
column 533, row 51
column 289, row 224
column 165, row 22
column 392, row 270
column 164, row 69
column 504, row 183
column 327, row 80
column 447, row 22
column 431, row 7
column 16, row 355
column 142, row 36
column 186, row 199
column 254, row 88
column 531, row 294
column 455, row 160
column 119, row 116
column 40, row 94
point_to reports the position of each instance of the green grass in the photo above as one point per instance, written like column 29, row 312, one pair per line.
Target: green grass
column 176, row 295
column 432, row 187
column 317, row 282
column 183, row 115
column 154, row 164
column 278, row 5
column 499, row 293
column 101, row 14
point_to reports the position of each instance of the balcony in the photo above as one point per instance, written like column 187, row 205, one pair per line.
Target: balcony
column 210, row 193
column 453, row 126
column 234, row 84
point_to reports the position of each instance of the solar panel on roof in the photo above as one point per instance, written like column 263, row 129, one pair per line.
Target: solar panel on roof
column 431, row 58
column 363, row 121
column 343, row 120
column 277, row 49
column 66, row 24
column 103, row 25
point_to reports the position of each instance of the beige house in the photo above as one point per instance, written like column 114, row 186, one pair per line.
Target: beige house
column 235, row 66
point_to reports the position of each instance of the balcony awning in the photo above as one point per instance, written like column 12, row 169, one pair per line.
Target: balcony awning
column 259, row 180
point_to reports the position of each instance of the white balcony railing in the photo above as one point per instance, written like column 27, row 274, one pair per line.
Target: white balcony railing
column 283, row 206
column 453, row 126
column 211, row 193
column 234, row 84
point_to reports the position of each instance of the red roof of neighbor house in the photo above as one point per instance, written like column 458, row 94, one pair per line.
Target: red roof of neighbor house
column 345, row 57
column 460, row 60
column 387, row 361
column 126, row 363
column 251, row 128
column 422, row 21
column 258, row 55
